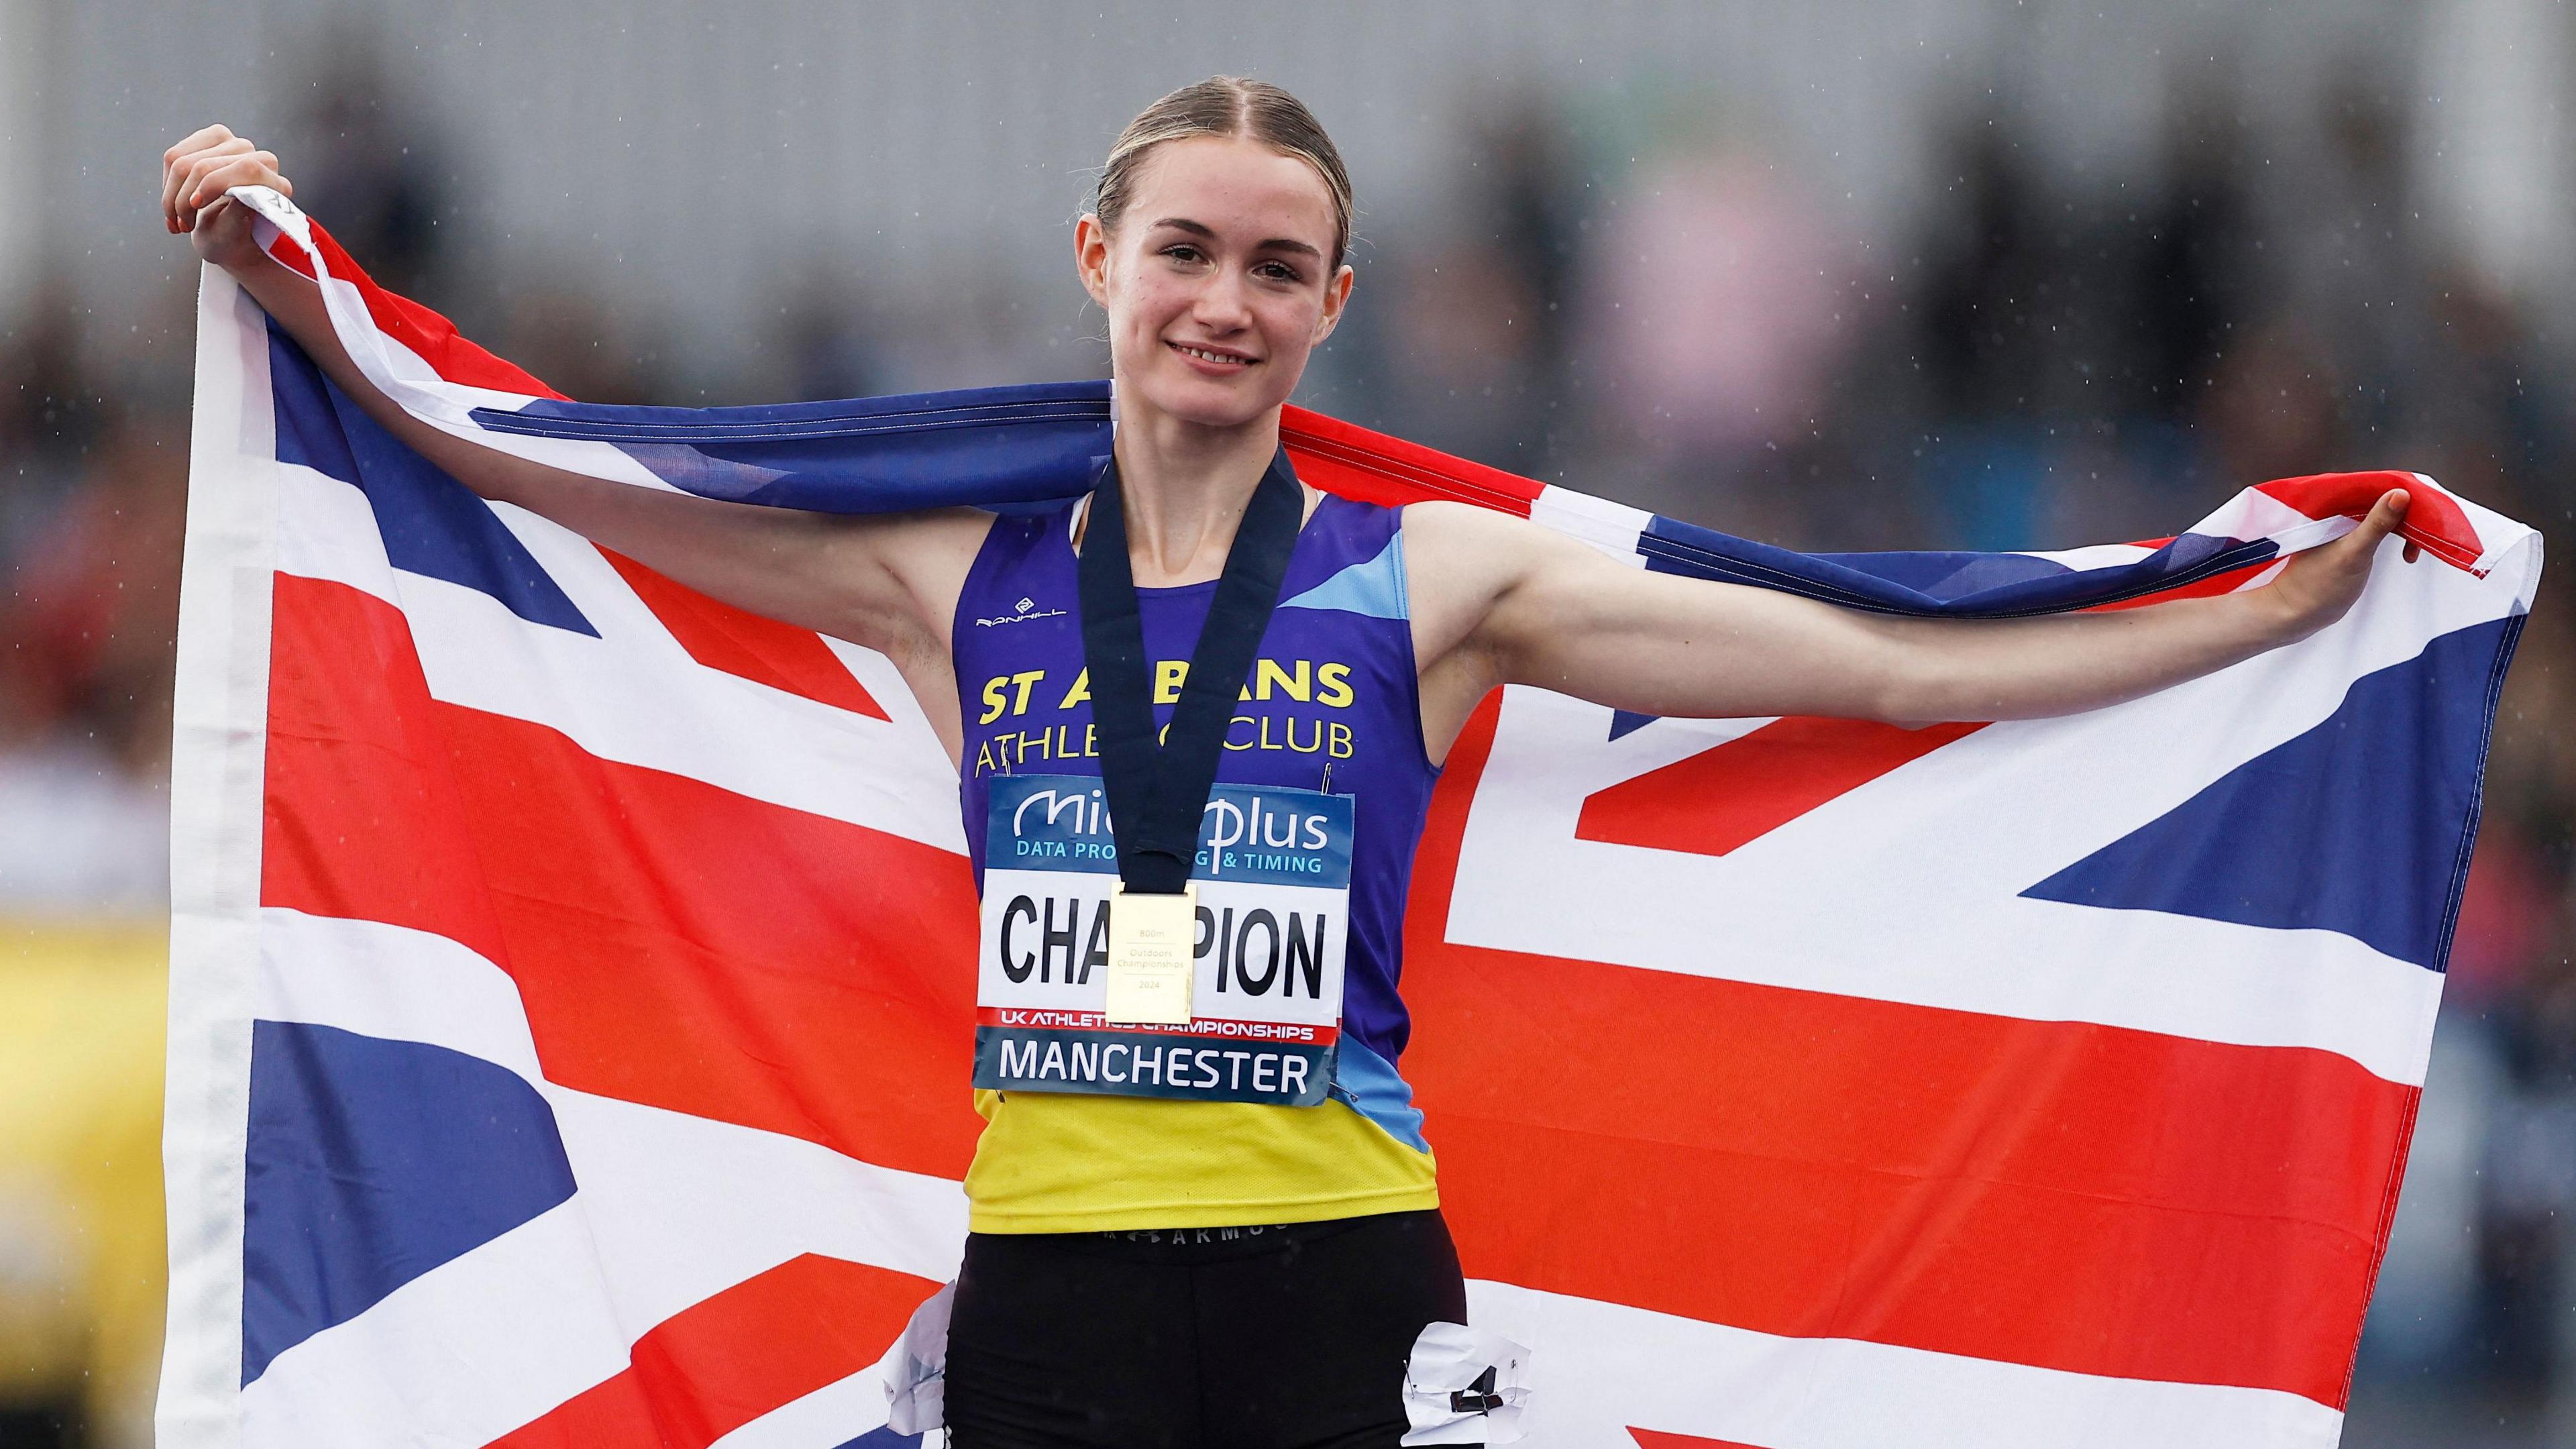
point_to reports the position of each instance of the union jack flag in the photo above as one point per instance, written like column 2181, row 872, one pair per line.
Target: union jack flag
column 572, row 995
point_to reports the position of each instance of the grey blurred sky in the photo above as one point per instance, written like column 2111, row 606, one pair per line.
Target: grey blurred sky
column 698, row 156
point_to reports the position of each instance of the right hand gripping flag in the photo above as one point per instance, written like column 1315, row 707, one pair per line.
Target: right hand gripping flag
column 572, row 985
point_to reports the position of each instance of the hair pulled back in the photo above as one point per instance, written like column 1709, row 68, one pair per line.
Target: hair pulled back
column 1226, row 105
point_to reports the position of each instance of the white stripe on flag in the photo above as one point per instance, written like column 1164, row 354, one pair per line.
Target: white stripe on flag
column 2092, row 556
column 827, row 1418
column 392, row 982
column 220, row 708
column 1610, row 527
column 1601, row 1368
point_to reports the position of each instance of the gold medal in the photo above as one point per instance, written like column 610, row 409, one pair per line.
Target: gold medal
column 1153, row 942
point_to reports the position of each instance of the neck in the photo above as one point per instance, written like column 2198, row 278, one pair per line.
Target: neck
column 1185, row 488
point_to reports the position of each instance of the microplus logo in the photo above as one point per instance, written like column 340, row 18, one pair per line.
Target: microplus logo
column 1253, row 833
column 1028, row 609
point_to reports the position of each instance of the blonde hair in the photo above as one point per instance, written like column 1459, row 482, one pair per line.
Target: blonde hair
column 1226, row 105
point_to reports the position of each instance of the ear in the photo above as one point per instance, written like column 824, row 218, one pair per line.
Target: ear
column 1337, row 295
column 1091, row 257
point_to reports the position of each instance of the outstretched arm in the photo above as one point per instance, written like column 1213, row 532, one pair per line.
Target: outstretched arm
column 887, row 582
column 1502, row 601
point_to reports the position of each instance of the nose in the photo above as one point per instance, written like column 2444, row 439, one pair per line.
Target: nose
column 1224, row 304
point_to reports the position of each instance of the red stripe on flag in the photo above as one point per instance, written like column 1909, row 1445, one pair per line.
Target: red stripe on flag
column 363, row 817
column 1755, row 783
column 426, row 333
column 1658, row 1439
column 748, row 645
column 2060, row 1194
column 675, row 944
column 2433, row 519
column 1355, row 462
column 721, row 1363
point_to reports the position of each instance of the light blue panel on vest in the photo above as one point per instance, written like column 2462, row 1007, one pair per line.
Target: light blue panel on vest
column 1370, row 1084
column 1374, row 588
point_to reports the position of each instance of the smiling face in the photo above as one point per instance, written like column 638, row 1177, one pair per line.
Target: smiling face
column 1218, row 282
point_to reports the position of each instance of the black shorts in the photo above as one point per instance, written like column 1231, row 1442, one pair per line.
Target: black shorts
column 1291, row 1337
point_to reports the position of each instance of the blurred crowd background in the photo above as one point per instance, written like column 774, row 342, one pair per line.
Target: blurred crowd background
column 1968, row 273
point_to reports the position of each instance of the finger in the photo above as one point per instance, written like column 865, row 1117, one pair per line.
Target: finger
column 197, row 140
column 243, row 172
column 175, row 177
column 173, row 166
column 210, row 164
column 192, row 212
column 174, row 173
column 210, row 180
column 2384, row 517
column 2413, row 552
column 179, row 182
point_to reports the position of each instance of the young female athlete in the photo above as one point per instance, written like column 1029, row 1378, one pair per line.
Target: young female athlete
column 1315, row 1253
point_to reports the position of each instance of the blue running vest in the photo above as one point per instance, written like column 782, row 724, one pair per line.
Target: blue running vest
column 1333, row 703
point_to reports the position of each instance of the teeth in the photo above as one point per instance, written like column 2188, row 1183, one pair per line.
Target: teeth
column 1210, row 356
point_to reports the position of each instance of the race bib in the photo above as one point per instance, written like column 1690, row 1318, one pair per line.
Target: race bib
column 1272, row 880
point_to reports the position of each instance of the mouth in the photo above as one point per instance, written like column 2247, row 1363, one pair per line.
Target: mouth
column 1215, row 360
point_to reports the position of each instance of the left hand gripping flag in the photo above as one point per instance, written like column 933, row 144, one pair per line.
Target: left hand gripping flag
column 572, row 990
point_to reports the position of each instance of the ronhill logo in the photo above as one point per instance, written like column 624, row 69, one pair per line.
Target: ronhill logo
column 1028, row 609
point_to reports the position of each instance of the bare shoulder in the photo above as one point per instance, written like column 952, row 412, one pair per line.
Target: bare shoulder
column 1462, row 554
column 1459, row 559
column 1473, row 536
column 1445, row 522
column 1460, row 546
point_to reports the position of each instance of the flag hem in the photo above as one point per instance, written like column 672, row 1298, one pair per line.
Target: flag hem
column 218, row 755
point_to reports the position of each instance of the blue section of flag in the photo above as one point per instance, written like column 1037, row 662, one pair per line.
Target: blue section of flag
column 1949, row 575
column 1949, row 585
column 1628, row 722
column 309, row 429
column 983, row 447
column 371, row 1162
column 2327, row 831
column 431, row 524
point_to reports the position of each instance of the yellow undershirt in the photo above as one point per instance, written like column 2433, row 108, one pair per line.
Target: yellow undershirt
column 1057, row 1162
